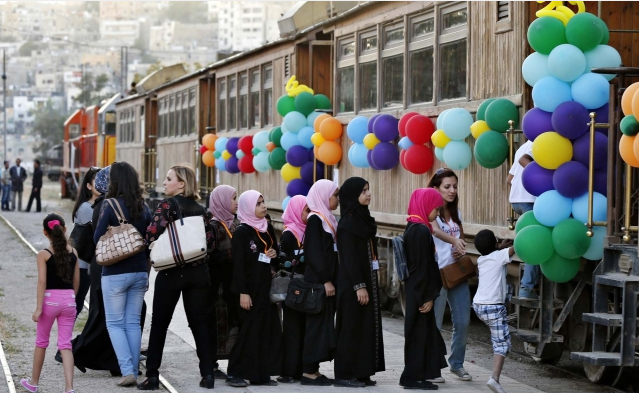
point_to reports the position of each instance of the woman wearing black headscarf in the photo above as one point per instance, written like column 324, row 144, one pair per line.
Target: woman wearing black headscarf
column 360, row 346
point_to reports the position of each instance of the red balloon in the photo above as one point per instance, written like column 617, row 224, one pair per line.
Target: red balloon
column 419, row 129
column 403, row 121
column 203, row 149
column 246, row 144
column 418, row 159
column 402, row 153
column 245, row 165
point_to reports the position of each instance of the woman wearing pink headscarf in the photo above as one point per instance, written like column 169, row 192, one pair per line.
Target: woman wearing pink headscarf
column 320, row 247
column 295, row 218
column 424, row 348
column 257, row 354
column 222, row 206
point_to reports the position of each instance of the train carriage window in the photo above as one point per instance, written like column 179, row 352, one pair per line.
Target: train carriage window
column 232, row 103
column 192, row 104
column 393, row 65
column 267, row 101
column 185, row 113
column 243, row 100
column 420, row 58
column 142, row 124
column 221, row 105
column 452, row 52
column 171, row 130
column 346, row 75
column 368, row 70
column 254, row 99
column 178, row 115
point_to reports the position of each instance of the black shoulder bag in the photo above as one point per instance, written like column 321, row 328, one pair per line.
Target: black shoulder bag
column 305, row 297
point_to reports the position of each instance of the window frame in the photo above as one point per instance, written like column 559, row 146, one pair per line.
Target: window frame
column 243, row 91
column 232, row 124
column 417, row 43
column 346, row 61
column 222, row 101
column 267, row 84
column 366, row 57
column 388, row 50
column 447, row 36
column 254, row 120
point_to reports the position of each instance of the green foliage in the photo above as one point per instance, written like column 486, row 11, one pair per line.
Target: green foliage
column 48, row 127
column 187, row 11
column 91, row 87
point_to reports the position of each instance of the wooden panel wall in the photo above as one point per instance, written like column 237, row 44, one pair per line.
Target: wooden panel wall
column 131, row 153
column 171, row 151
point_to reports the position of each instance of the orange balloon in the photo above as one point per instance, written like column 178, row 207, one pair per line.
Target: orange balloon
column 270, row 146
column 208, row 140
column 627, row 100
column 331, row 129
column 627, row 147
column 635, row 103
column 319, row 119
column 316, row 152
column 208, row 159
column 330, row 153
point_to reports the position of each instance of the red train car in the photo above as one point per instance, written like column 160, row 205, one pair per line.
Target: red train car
column 73, row 127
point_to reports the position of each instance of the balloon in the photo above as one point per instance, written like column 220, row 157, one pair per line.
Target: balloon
column 601, row 181
column 255, row 151
column 599, row 208
column 551, row 150
column 595, row 251
column 581, row 150
column 478, row 128
column 439, row 153
column 537, row 180
column 551, row 208
column 285, row 105
column 289, row 140
column 566, row 62
column 220, row 144
column 419, row 129
column 246, row 164
column 246, row 144
column 330, row 153
column 626, row 99
column 285, row 202
column 231, row 165
column 559, row 269
column 290, row 172
column 491, row 149
column 304, row 137
column 499, row 112
column 370, row 141
column 603, row 56
column 371, row 122
column 208, row 159
column 217, row 154
column 591, row 90
column 293, row 121
column 322, row 102
column 525, row 220
column 571, row 179
column 297, row 155
column 533, row 69
column 318, row 121
column 533, row 244
column 203, row 149
column 456, row 124
column 626, row 151
column 403, row 121
column 357, row 129
column 231, row 145
column 405, row 143
column 418, row 159
column 239, row 154
column 305, row 103
column 209, row 140
column 275, row 136
column 220, row 164
column 481, row 111
column 569, row 239
column 310, row 119
column 549, row 92
column 260, row 140
column 570, row 120
column 440, row 139
column 331, row 129
column 584, row 31
column 226, row 155
column 307, row 172
column 357, row 155
column 536, row 122
column 385, row 128
column 270, row 146
column 457, row 155
column 297, row 187
column 385, row 156
column 317, row 139
column 629, row 125
column 277, row 158
column 545, row 33
column 260, row 162
column 606, row 32
column 402, row 154
column 635, row 104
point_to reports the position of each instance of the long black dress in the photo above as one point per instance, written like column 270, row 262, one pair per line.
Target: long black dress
column 294, row 322
column 424, row 350
column 320, row 339
column 257, row 354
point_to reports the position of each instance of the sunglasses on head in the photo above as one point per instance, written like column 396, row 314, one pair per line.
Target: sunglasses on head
column 442, row 170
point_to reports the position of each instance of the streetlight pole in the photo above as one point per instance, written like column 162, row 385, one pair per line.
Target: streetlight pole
column 4, row 101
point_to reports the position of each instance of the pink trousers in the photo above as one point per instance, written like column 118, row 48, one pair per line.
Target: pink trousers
column 58, row 304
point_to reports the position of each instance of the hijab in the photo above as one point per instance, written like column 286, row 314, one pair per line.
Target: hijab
column 317, row 201
column 220, row 204
column 292, row 217
column 246, row 211
column 102, row 180
column 422, row 202
column 355, row 217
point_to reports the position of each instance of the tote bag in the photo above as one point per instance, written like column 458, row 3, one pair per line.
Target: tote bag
column 119, row 242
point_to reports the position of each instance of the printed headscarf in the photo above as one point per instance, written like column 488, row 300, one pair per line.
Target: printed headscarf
column 292, row 217
column 317, row 201
column 246, row 210
column 422, row 202
column 355, row 217
column 102, row 180
column 220, row 204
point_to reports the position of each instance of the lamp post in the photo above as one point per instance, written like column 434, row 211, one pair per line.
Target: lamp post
column 4, row 102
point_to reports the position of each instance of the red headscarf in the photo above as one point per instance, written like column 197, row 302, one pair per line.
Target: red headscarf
column 422, row 202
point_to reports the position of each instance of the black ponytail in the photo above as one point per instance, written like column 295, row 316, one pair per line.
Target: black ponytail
column 53, row 225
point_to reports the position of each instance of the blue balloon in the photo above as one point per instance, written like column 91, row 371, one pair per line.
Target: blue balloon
column 566, row 62
column 549, row 92
column 595, row 251
column 286, row 200
column 439, row 153
column 297, row 155
column 357, row 129
column 551, row 208
column 260, row 140
column 297, row 187
column 603, row 56
column 293, row 122
column 239, row 154
column 535, row 67
column 231, row 165
column 260, row 162
column 440, row 119
column 220, row 164
column 591, row 90
column 357, row 155
column 289, row 140
column 220, row 144
column 307, row 172
column 405, row 143
column 599, row 207
column 304, row 136
column 457, row 155
column 310, row 119
column 457, row 124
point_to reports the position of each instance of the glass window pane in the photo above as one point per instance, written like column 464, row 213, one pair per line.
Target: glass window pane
column 369, row 43
column 455, row 18
column 393, row 80
column 243, row 81
column 453, row 69
column 347, row 49
column 255, row 77
column 178, row 114
column 232, row 86
column 421, row 75
column 185, row 105
column 221, row 115
column 395, row 36
column 424, row 27
column 268, row 74
column 172, row 117
column 268, row 106
column 346, row 97
column 255, row 109
column 232, row 113
column 368, row 85
column 243, row 111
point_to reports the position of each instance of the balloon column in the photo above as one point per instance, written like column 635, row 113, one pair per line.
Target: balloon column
column 553, row 235
column 453, row 126
column 416, row 130
column 357, row 130
column 628, row 146
column 207, row 150
column 382, row 153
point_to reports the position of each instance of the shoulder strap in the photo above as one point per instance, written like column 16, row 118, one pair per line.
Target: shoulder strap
column 117, row 209
column 47, row 250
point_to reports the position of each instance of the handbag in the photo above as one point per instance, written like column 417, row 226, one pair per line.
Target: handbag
column 305, row 297
column 183, row 241
column 119, row 242
column 461, row 270
column 81, row 238
column 279, row 285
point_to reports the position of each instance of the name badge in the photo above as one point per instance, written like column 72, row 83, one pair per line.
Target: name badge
column 375, row 264
column 298, row 252
column 335, row 247
column 264, row 258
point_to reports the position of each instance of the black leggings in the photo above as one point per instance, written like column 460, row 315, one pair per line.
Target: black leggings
column 85, row 283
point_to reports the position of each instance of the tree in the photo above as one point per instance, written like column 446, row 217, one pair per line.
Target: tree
column 90, row 89
column 187, row 11
column 48, row 127
column 29, row 46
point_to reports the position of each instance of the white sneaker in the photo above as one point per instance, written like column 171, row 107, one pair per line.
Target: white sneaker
column 437, row 380
column 462, row 374
column 495, row 386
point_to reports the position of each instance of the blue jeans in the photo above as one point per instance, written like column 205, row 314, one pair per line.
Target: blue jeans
column 123, row 296
column 531, row 272
column 6, row 196
column 459, row 303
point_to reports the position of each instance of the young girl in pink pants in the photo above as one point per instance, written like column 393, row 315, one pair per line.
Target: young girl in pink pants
column 58, row 282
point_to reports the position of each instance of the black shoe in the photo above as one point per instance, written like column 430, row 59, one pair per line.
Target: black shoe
column 284, row 379
column 236, row 382
column 270, row 382
column 319, row 381
column 208, row 381
column 58, row 357
column 422, row 385
column 348, row 383
column 367, row 381
column 219, row 374
column 151, row 383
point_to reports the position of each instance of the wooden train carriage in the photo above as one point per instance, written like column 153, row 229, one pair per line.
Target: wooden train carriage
column 106, row 138
column 131, row 129
column 89, row 140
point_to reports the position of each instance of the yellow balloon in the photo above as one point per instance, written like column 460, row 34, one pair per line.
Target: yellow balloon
column 290, row 172
column 550, row 150
column 226, row 155
column 370, row 141
column 478, row 128
column 317, row 139
column 440, row 139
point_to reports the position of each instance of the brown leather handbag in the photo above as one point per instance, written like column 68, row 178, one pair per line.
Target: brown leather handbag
column 461, row 270
column 119, row 242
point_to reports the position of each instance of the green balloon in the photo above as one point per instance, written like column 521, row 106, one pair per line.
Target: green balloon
column 217, row 154
column 322, row 101
column 606, row 32
column 525, row 220
column 255, row 151
column 569, row 239
column 546, row 33
column 499, row 112
column 285, row 104
column 277, row 158
column 491, row 149
column 533, row 244
column 629, row 125
column 305, row 103
column 481, row 111
column 275, row 135
column 559, row 269
column 584, row 31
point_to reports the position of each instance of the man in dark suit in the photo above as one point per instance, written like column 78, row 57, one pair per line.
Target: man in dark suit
column 37, row 187
column 18, row 176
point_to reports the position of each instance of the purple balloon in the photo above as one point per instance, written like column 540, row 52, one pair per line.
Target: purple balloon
column 297, row 187
column 297, row 155
column 370, row 123
column 369, row 157
column 231, row 145
column 537, row 180
column 311, row 154
column 385, row 155
column 571, row 179
column 581, row 150
column 536, row 122
column 570, row 119
column 307, row 172
column 386, row 128
column 601, row 181
column 231, row 165
column 601, row 116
